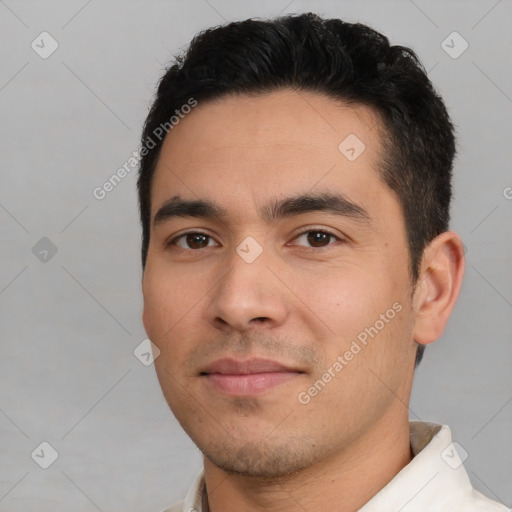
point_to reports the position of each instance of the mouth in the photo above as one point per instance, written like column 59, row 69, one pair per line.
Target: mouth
column 247, row 377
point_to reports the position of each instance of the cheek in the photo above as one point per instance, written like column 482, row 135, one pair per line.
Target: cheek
column 343, row 298
column 353, row 303
column 168, row 303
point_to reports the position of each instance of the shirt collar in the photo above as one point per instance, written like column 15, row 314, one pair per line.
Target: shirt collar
column 434, row 476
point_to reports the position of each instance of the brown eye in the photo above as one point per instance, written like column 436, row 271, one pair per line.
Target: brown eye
column 193, row 241
column 316, row 238
column 196, row 240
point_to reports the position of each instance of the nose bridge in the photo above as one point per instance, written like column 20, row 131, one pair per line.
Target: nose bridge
column 247, row 275
column 247, row 291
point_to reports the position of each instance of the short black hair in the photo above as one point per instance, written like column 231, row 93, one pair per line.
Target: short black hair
column 350, row 62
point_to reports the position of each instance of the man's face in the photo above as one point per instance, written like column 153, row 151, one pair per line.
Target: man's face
column 284, row 323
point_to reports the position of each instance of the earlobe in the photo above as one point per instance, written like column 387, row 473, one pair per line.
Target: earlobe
column 438, row 286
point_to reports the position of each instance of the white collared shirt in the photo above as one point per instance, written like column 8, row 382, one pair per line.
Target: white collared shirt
column 434, row 481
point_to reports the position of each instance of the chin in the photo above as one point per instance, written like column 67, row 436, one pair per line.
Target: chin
column 261, row 460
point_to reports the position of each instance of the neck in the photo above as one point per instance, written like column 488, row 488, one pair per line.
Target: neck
column 349, row 478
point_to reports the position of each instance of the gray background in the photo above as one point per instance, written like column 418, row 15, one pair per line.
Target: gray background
column 69, row 325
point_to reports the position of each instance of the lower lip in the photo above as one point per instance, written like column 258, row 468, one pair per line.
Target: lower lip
column 244, row 385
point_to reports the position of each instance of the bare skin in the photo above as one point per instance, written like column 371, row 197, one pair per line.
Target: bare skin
column 276, row 444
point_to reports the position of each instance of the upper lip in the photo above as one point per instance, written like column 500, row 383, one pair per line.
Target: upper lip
column 231, row 366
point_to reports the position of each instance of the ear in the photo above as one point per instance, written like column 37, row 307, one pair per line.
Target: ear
column 438, row 286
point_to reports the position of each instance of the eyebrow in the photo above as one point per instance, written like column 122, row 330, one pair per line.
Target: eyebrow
column 336, row 204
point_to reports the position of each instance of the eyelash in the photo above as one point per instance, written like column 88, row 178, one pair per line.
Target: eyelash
column 172, row 241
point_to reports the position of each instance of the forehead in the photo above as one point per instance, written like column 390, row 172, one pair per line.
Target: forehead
column 271, row 145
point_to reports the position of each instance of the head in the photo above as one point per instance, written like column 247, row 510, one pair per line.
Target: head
column 294, row 193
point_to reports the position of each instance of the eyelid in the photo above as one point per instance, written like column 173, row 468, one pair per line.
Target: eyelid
column 174, row 238
column 323, row 229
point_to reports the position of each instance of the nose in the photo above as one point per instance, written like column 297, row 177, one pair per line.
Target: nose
column 248, row 296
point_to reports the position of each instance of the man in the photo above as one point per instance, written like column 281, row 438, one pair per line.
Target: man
column 294, row 195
